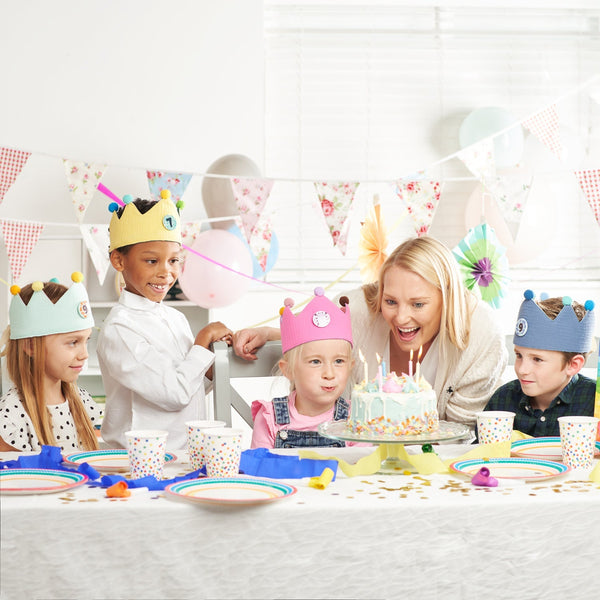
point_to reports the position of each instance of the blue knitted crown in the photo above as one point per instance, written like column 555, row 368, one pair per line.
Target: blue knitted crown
column 566, row 333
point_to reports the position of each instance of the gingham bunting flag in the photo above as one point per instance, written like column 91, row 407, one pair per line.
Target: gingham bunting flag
column 251, row 197
column 544, row 125
column 421, row 199
column 97, row 241
column 590, row 184
column 11, row 163
column 336, row 200
column 20, row 237
column 176, row 183
column 83, row 179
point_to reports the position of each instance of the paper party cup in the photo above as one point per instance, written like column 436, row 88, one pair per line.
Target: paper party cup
column 223, row 449
column 494, row 426
column 195, row 440
column 578, row 440
column 146, row 450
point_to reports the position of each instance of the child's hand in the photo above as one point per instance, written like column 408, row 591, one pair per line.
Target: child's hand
column 213, row 332
column 247, row 341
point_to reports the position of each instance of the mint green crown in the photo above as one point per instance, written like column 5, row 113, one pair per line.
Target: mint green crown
column 42, row 317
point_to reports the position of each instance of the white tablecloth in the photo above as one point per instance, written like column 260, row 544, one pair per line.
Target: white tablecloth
column 379, row 536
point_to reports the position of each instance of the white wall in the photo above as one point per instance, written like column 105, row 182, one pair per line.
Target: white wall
column 134, row 84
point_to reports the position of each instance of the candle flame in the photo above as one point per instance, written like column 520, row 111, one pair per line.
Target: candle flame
column 378, row 358
column 361, row 355
column 420, row 352
column 411, row 354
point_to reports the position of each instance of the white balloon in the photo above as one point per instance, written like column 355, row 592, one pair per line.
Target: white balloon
column 216, row 191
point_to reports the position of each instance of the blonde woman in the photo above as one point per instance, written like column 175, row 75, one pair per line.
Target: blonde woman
column 419, row 304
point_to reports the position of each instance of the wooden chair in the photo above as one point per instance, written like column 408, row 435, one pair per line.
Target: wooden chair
column 229, row 366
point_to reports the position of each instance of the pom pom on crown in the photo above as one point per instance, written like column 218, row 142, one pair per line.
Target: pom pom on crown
column 320, row 319
column 566, row 333
column 40, row 316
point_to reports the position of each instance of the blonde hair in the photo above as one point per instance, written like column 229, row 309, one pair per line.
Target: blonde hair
column 26, row 363
column 293, row 356
column 430, row 259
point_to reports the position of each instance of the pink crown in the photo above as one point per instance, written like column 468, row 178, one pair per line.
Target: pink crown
column 321, row 319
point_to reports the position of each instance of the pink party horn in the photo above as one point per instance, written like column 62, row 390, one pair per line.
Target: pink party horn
column 482, row 477
column 108, row 193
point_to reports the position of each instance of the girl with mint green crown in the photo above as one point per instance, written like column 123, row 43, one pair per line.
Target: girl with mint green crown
column 45, row 346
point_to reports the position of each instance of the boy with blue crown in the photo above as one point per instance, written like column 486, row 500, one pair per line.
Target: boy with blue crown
column 152, row 366
column 552, row 340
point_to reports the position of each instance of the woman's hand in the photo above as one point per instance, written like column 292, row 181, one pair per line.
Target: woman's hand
column 247, row 341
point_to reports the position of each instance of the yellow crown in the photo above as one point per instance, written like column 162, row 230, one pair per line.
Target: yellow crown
column 160, row 223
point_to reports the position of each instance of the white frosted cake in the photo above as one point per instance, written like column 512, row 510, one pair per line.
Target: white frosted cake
column 393, row 406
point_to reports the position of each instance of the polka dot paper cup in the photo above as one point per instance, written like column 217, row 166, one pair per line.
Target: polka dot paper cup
column 195, row 440
column 146, row 450
column 223, row 449
column 494, row 426
column 577, row 440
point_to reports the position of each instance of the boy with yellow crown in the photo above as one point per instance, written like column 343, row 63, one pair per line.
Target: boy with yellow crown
column 552, row 340
column 152, row 367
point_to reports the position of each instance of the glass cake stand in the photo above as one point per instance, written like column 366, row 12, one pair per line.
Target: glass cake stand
column 393, row 464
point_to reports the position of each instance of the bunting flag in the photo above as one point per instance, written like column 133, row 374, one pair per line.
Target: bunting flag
column 97, row 241
column 421, row 199
column 83, row 179
column 511, row 192
column 544, row 125
column 260, row 243
column 20, row 237
column 251, row 196
column 336, row 202
column 176, row 183
column 479, row 159
column 11, row 163
column 190, row 231
column 590, row 184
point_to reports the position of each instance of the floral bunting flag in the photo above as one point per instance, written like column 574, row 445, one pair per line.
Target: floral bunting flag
column 544, row 125
column 83, row 179
column 479, row 159
column 260, row 242
column 176, row 183
column 20, row 237
column 336, row 202
column 421, row 198
column 11, row 163
column 590, row 184
column 511, row 192
column 251, row 196
column 97, row 241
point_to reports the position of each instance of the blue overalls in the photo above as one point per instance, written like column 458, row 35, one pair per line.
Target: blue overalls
column 289, row 438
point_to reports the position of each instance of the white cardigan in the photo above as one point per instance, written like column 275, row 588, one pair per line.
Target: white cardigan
column 464, row 383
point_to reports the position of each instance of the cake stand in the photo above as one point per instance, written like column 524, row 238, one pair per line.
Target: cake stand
column 393, row 465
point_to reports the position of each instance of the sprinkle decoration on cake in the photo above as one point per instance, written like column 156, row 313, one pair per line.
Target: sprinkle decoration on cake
column 393, row 405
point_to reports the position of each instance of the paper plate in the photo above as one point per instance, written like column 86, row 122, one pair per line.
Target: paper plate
column 106, row 461
column 230, row 491
column 547, row 448
column 512, row 468
column 38, row 481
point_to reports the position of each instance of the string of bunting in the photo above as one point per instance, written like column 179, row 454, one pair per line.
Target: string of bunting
column 419, row 194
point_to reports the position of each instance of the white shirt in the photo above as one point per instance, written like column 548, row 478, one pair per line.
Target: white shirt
column 153, row 373
column 16, row 427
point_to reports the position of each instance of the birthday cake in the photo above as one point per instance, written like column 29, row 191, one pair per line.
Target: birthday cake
column 393, row 406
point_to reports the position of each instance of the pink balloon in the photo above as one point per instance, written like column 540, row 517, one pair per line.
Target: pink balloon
column 210, row 285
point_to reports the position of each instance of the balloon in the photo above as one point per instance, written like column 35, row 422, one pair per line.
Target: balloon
column 538, row 156
column 483, row 122
column 216, row 191
column 257, row 271
column 210, row 285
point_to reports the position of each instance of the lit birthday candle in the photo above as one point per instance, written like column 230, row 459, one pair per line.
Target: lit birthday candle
column 419, row 363
column 410, row 364
column 379, row 372
column 365, row 367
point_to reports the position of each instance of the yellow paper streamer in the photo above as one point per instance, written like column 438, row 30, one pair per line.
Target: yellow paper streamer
column 519, row 435
column 322, row 481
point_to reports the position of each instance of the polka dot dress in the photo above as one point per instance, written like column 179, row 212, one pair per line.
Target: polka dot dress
column 17, row 429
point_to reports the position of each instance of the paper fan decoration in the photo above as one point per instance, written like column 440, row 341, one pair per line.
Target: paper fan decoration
column 483, row 264
column 372, row 245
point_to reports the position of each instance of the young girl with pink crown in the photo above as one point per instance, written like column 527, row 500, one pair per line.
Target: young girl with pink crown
column 317, row 360
column 46, row 349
